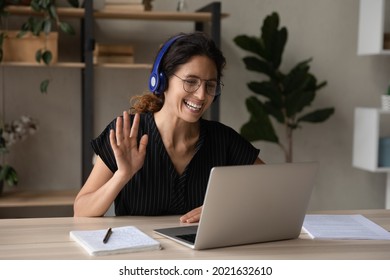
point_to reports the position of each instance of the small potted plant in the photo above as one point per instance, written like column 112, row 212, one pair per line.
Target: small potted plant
column 10, row 133
column 386, row 99
column 40, row 24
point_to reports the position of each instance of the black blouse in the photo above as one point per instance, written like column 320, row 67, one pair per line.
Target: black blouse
column 157, row 189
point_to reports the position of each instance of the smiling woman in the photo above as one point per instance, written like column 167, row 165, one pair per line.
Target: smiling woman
column 157, row 160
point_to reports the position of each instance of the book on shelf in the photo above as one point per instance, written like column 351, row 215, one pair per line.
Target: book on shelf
column 122, row 240
column 116, row 59
column 113, row 53
column 124, row 7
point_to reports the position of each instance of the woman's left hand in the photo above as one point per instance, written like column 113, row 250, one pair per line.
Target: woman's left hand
column 192, row 217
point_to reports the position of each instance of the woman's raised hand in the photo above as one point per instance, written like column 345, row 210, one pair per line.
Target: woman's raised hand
column 129, row 154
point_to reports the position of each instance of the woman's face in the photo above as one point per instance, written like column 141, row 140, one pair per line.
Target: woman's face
column 190, row 106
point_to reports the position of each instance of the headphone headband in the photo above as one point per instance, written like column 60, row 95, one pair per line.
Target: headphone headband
column 157, row 79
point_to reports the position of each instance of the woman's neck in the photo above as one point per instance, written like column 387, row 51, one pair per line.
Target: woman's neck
column 179, row 139
column 175, row 131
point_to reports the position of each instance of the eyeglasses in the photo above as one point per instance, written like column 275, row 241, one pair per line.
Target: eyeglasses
column 190, row 85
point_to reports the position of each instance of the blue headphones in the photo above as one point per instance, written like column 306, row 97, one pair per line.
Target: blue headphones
column 157, row 80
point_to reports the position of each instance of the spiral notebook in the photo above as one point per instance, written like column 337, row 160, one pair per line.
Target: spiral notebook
column 122, row 240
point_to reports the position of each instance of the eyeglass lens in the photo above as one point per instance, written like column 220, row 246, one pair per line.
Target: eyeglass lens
column 191, row 85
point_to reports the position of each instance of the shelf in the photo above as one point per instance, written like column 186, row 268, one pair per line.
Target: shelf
column 32, row 64
column 374, row 23
column 147, row 15
column 79, row 65
column 156, row 15
column 367, row 131
column 27, row 11
column 124, row 66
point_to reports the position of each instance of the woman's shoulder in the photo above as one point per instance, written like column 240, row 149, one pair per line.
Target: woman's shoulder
column 216, row 126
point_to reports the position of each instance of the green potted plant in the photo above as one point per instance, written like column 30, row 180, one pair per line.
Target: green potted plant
column 10, row 133
column 283, row 96
column 386, row 99
column 42, row 21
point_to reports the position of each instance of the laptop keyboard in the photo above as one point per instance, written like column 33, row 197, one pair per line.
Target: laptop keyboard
column 188, row 237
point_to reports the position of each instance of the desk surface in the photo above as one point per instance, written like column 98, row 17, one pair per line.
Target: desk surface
column 48, row 238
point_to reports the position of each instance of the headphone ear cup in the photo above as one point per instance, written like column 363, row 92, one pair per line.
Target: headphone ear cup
column 162, row 84
column 154, row 82
column 157, row 80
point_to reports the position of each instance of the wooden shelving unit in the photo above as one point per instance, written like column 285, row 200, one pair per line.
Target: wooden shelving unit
column 206, row 19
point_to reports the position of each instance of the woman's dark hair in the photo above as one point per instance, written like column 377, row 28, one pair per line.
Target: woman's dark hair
column 188, row 46
column 179, row 53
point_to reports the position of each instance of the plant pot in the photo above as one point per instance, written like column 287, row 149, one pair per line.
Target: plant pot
column 386, row 102
column 23, row 49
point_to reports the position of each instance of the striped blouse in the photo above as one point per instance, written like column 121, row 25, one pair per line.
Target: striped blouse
column 157, row 189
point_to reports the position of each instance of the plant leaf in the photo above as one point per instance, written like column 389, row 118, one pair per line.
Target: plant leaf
column 74, row 3
column 268, row 90
column 255, row 64
column 37, row 26
column 296, row 78
column 274, row 40
column 35, row 5
column 9, row 175
column 47, row 57
column 46, row 26
column 44, row 85
column 38, row 56
column 53, row 12
column 298, row 100
column 259, row 127
column 67, row 28
column 274, row 111
column 250, row 44
column 317, row 116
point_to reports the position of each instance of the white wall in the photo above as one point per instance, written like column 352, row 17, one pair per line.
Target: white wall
column 325, row 30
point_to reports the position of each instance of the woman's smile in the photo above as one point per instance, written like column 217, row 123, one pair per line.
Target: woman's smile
column 196, row 107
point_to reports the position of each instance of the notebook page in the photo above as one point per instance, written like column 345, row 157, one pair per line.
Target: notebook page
column 122, row 239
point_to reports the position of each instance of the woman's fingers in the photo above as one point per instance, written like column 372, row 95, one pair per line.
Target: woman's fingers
column 134, row 127
column 142, row 144
column 119, row 131
column 126, row 124
column 192, row 217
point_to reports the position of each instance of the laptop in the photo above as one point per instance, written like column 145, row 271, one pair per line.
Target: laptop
column 249, row 204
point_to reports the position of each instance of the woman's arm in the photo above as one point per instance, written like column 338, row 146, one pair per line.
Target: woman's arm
column 102, row 186
column 98, row 192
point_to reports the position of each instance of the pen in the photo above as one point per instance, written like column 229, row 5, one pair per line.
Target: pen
column 107, row 236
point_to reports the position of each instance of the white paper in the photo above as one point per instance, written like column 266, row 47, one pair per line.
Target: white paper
column 122, row 239
column 343, row 227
